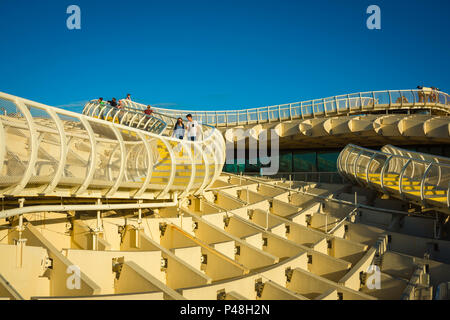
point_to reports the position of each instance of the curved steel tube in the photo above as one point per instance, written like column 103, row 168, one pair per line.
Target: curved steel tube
column 427, row 183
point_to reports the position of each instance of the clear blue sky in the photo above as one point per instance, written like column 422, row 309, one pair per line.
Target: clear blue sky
column 219, row 54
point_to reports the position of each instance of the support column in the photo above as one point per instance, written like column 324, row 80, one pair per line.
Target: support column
column 20, row 243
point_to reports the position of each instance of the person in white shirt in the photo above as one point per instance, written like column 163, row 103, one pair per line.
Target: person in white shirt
column 192, row 128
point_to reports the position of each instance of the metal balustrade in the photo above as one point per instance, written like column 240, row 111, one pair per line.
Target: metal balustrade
column 156, row 123
column 46, row 151
column 311, row 176
column 134, row 119
column 356, row 103
column 419, row 177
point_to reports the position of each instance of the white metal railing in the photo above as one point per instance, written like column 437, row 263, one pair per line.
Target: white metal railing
column 355, row 103
column 416, row 176
column 138, row 120
column 127, row 115
column 46, row 151
column 311, row 176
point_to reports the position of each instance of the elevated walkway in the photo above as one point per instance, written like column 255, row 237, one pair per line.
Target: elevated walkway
column 347, row 104
column 402, row 117
column 420, row 178
column 50, row 152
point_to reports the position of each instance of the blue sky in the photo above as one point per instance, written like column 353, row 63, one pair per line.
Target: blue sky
column 219, row 54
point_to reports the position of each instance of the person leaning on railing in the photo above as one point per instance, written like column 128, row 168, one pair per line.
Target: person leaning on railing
column 113, row 102
column 434, row 94
column 427, row 94
column 421, row 94
column 102, row 104
column 401, row 99
column 120, row 113
column 149, row 110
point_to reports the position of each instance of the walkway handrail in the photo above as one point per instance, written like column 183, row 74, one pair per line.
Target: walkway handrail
column 414, row 154
column 419, row 177
column 95, row 109
column 355, row 103
column 402, row 156
column 127, row 117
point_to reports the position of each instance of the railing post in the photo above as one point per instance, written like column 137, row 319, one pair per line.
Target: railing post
column 360, row 101
column 448, row 194
column 356, row 163
column 290, row 110
column 440, row 171
column 63, row 151
column 383, row 170
column 93, row 157
column 368, row 167
column 33, row 147
column 402, row 173
column 149, row 172
column 401, row 99
column 3, row 146
column 336, row 104
column 422, row 182
column 348, row 104
column 123, row 163
column 374, row 100
column 349, row 152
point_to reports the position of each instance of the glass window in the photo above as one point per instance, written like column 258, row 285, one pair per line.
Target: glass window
column 285, row 164
column 327, row 161
column 304, row 161
column 254, row 166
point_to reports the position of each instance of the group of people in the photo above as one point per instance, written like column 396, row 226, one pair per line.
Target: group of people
column 428, row 93
column 191, row 129
column 113, row 102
